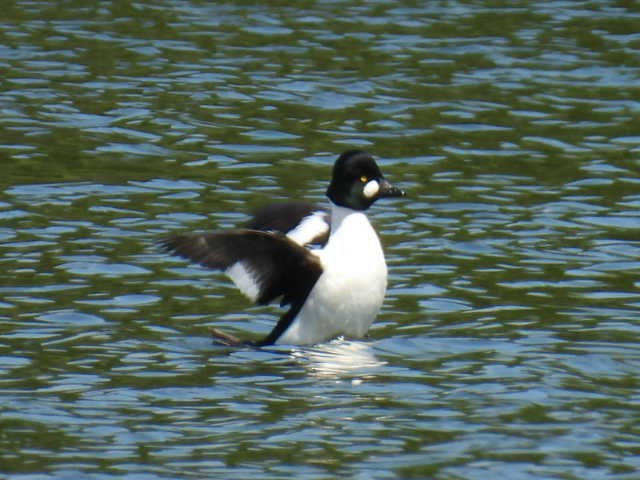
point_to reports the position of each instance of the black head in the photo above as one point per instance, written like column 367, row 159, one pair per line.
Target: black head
column 357, row 181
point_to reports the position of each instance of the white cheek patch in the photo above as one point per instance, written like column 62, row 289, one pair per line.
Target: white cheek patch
column 371, row 189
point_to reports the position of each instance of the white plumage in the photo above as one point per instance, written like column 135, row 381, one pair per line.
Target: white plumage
column 349, row 293
column 311, row 227
column 244, row 280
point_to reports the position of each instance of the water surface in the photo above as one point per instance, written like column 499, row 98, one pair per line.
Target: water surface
column 508, row 343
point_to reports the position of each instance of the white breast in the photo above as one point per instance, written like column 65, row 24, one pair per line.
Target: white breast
column 349, row 293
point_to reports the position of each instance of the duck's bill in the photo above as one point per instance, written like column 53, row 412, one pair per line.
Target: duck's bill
column 387, row 189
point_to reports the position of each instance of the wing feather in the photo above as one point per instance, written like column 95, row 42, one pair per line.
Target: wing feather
column 303, row 222
column 264, row 265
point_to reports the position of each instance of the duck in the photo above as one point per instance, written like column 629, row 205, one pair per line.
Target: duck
column 327, row 267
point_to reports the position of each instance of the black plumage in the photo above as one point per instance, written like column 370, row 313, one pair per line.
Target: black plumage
column 279, row 267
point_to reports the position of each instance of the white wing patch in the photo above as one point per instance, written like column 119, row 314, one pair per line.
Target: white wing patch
column 311, row 227
column 244, row 280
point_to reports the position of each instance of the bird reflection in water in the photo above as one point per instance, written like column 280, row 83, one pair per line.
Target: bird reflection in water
column 340, row 358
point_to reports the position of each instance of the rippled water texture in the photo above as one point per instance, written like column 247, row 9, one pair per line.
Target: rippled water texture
column 508, row 345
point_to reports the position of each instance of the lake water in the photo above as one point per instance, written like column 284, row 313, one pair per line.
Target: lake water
column 508, row 345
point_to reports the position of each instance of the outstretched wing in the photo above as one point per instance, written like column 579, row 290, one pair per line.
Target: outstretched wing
column 263, row 265
column 302, row 222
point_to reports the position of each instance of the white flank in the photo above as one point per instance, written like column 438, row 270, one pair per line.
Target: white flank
column 348, row 295
column 310, row 227
column 371, row 189
column 244, row 280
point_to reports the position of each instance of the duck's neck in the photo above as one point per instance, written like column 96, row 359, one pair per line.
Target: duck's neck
column 351, row 227
column 338, row 214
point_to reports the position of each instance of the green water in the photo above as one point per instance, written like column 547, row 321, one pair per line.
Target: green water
column 508, row 342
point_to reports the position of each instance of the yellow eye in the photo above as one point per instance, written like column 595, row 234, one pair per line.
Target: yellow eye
column 363, row 179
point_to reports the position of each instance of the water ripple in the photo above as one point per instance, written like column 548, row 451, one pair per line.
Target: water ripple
column 507, row 344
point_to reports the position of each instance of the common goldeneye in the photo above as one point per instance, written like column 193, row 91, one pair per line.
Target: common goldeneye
column 335, row 288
